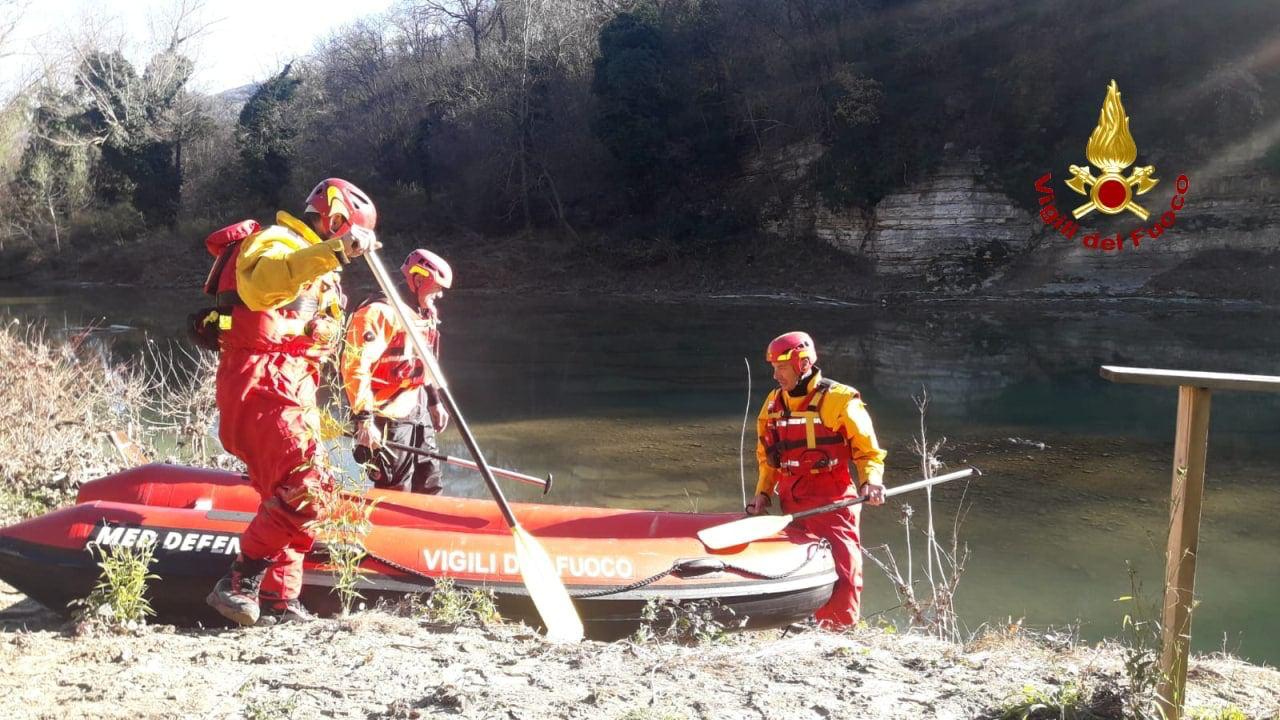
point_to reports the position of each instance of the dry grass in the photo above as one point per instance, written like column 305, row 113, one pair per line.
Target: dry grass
column 56, row 401
column 59, row 398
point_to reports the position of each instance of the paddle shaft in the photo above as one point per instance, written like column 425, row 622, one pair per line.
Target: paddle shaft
column 917, row 485
column 433, row 369
column 461, row 462
column 540, row 575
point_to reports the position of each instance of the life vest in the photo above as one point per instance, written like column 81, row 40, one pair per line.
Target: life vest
column 812, row 460
column 398, row 368
column 297, row 328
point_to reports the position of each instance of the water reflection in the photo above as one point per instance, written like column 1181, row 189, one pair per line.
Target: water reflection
column 634, row 403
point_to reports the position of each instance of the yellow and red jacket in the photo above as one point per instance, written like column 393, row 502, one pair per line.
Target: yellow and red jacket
column 291, row 300
column 380, row 370
column 805, row 442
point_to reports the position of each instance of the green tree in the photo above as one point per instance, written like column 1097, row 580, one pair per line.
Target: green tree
column 136, row 122
column 265, row 134
column 53, row 175
column 666, row 113
column 635, row 101
column 706, row 132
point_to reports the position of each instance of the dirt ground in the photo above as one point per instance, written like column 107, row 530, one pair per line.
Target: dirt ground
column 376, row 664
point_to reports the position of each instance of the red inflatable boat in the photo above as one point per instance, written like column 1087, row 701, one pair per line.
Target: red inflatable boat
column 612, row 561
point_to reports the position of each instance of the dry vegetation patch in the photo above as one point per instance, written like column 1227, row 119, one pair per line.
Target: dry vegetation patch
column 60, row 397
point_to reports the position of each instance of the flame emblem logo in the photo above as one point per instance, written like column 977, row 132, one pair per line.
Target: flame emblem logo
column 1111, row 149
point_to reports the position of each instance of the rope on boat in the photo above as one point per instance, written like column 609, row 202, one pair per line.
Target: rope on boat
column 700, row 566
column 821, row 544
column 691, row 567
column 626, row 588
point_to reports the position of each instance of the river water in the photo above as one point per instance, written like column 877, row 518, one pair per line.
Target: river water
column 639, row 403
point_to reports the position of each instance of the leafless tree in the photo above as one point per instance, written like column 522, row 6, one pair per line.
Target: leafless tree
column 11, row 13
column 934, row 609
column 180, row 22
column 477, row 17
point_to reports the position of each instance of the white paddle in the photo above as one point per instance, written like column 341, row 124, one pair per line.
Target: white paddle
column 756, row 527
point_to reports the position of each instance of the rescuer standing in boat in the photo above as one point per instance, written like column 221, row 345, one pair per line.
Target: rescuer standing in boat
column 387, row 391
column 808, row 431
column 285, row 322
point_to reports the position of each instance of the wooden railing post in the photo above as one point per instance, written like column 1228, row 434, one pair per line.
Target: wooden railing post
column 1191, row 443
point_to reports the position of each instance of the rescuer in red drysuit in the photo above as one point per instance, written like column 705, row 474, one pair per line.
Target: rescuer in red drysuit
column 285, row 321
column 808, row 431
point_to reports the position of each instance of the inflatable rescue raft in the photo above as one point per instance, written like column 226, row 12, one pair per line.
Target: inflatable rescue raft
column 612, row 561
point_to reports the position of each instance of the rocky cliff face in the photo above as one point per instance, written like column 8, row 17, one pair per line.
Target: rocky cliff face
column 953, row 230
column 950, row 227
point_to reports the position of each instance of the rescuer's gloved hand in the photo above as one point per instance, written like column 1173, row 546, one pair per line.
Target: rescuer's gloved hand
column 359, row 241
column 367, row 435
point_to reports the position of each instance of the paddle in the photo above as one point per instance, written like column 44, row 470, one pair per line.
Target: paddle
column 756, row 527
column 461, row 462
column 540, row 577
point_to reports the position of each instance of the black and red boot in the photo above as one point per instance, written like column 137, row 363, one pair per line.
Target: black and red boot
column 235, row 596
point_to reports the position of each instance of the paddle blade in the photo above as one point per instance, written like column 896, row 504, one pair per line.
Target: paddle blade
column 129, row 450
column 741, row 532
column 548, row 592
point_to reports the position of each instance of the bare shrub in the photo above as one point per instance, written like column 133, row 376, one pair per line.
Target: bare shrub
column 184, row 406
column 57, row 398
column 692, row 622
column 449, row 604
column 933, row 611
column 60, row 397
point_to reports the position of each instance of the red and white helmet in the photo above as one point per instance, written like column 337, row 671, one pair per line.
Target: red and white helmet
column 424, row 265
column 336, row 198
column 793, row 347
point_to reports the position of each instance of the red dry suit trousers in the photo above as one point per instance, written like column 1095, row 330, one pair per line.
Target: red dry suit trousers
column 269, row 419
column 840, row 528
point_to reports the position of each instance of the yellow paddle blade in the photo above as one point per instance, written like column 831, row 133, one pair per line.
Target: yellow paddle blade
column 546, row 589
column 741, row 532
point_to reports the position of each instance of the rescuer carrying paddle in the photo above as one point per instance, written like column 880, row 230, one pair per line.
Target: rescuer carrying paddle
column 286, row 317
column 808, row 431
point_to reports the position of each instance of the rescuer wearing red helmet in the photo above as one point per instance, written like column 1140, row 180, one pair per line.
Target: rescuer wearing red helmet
column 809, row 430
column 389, row 395
column 285, row 321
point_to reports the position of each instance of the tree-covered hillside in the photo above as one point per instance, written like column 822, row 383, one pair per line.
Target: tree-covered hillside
column 632, row 122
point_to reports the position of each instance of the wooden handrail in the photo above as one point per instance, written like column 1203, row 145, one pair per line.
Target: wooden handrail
column 1191, row 378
